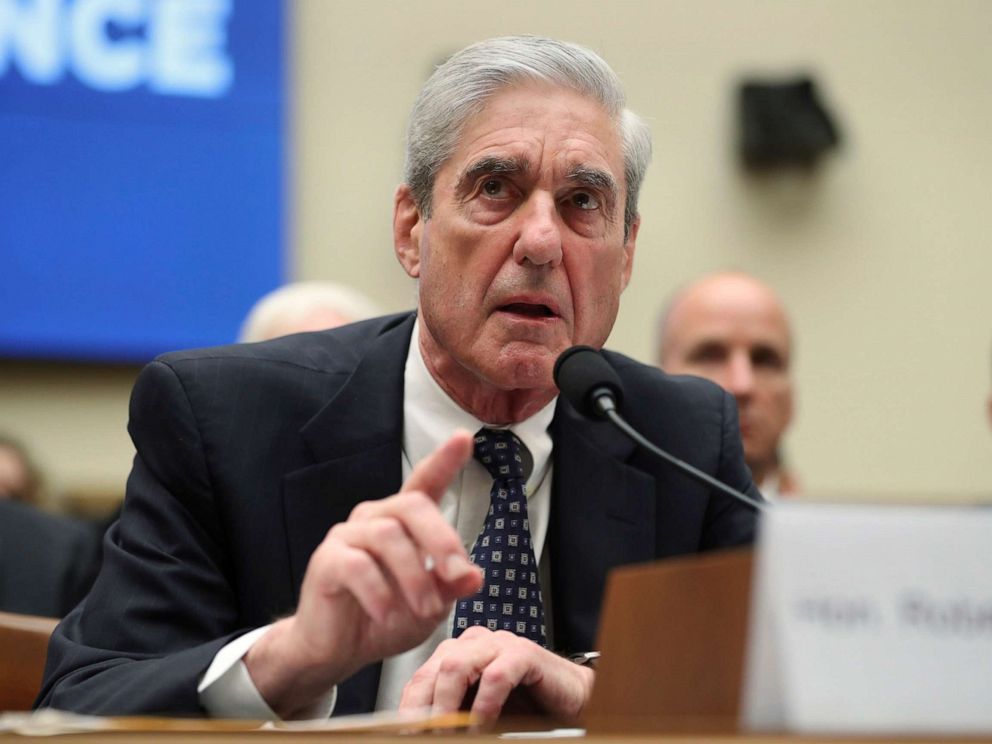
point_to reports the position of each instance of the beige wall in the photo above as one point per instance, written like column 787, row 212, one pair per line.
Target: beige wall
column 883, row 255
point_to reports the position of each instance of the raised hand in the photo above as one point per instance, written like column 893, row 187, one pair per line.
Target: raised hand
column 377, row 585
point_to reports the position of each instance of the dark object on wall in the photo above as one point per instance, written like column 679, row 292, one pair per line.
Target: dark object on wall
column 783, row 124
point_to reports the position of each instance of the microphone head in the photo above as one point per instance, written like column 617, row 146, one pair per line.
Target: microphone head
column 582, row 375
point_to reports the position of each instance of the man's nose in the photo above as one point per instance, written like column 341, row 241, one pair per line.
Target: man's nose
column 540, row 232
column 740, row 376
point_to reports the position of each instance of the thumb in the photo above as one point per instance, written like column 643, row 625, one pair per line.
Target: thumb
column 434, row 473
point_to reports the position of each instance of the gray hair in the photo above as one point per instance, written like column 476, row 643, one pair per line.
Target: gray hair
column 286, row 309
column 461, row 86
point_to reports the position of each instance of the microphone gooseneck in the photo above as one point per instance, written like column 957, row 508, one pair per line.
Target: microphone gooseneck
column 594, row 388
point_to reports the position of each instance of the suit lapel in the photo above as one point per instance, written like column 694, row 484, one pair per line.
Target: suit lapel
column 602, row 516
column 356, row 441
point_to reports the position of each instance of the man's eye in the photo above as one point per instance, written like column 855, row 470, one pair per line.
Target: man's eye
column 767, row 358
column 494, row 187
column 584, row 200
column 708, row 354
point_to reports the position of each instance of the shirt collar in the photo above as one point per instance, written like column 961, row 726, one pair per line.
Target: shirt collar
column 430, row 416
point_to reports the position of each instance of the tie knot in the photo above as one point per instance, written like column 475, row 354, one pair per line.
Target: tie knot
column 502, row 453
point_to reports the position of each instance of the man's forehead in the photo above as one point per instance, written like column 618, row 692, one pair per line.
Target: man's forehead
column 731, row 303
column 530, row 121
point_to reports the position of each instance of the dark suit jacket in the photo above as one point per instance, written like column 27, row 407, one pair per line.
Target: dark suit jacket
column 247, row 454
column 47, row 563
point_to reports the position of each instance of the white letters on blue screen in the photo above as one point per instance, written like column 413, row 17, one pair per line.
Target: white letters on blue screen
column 174, row 47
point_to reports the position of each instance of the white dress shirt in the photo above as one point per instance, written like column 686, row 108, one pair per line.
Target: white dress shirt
column 429, row 418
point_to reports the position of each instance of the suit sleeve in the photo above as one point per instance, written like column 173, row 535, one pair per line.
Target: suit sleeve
column 730, row 522
column 163, row 603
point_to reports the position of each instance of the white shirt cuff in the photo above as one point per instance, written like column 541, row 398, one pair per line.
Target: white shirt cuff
column 227, row 690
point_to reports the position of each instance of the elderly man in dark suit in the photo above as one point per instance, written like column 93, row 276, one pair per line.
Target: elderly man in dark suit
column 328, row 478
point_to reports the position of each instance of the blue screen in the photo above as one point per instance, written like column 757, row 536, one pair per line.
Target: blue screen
column 141, row 173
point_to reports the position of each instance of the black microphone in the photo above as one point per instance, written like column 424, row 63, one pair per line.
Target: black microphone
column 594, row 388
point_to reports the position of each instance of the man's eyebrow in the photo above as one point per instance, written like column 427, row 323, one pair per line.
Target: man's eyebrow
column 595, row 178
column 492, row 165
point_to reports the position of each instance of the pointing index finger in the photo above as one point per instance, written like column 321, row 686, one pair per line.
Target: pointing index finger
column 434, row 473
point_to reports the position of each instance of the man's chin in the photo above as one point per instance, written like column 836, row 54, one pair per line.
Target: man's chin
column 524, row 366
column 758, row 459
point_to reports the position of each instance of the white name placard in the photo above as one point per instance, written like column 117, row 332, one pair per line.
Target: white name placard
column 871, row 619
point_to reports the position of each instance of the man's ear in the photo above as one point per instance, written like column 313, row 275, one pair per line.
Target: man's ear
column 628, row 250
column 407, row 229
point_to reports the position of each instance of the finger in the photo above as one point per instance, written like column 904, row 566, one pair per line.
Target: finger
column 361, row 576
column 456, row 673
column 419, row 691
column 434, row 473
column 439, row 542
column 498, row 680
column 436, row 538
column 431, row 534
column 389, row 545
column 396, row 551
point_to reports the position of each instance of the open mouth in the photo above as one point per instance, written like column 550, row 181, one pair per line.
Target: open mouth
column 529, row 310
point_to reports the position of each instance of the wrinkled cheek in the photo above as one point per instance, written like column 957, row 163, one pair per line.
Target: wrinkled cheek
column 594, row 323
column 606, row 310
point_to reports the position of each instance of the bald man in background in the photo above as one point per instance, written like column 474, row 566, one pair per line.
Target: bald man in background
column 730, row 328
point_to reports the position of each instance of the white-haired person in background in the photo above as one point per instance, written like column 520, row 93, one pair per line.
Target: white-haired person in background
column 305, row 306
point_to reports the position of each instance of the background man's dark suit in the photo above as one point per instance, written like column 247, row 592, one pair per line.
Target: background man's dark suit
column 47, row 563
column 248, row 454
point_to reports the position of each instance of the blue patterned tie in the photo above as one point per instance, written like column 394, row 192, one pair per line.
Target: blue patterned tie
column 510, row 598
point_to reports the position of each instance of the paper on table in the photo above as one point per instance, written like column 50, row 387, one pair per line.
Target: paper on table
column 51, row 722
column 559, row 733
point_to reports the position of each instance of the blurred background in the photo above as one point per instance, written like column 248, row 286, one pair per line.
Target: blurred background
column 163, row 163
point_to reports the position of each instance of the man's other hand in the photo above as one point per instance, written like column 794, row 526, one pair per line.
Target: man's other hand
column 500, row 663
column 377, row 585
